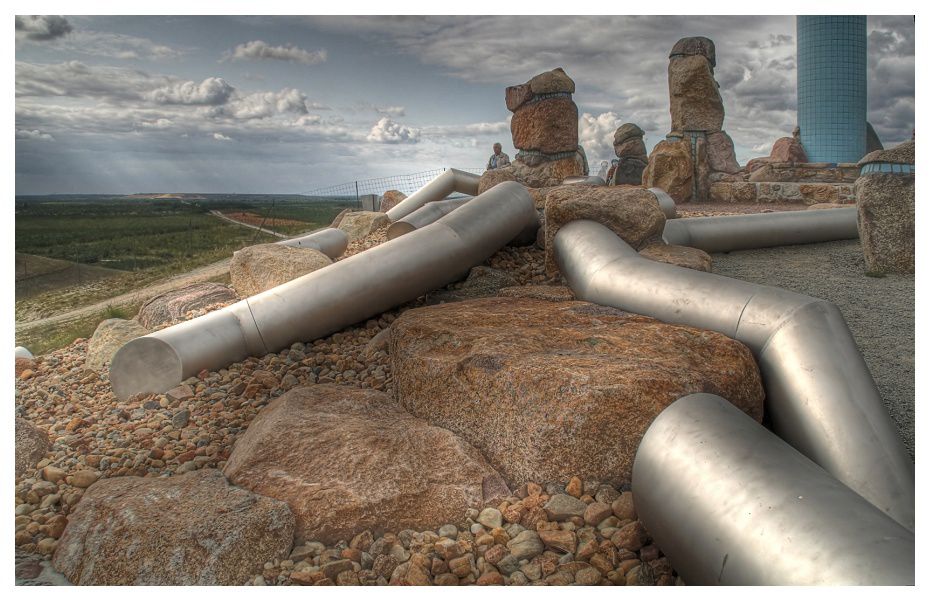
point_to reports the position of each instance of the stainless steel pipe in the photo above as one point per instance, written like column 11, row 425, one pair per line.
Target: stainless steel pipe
column 730, row 503
column 761, row 230
column 820, row 394
column 329, row 299
column 593, row 180
column 330, row 241
column 666, row 203
column 423, row 216
column 444, row 184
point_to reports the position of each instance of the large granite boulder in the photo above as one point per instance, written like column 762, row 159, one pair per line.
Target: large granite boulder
column 550, row 390
column 695, row 46
column 32, row 444
column 671, row 168
column 391, row 199
column 349, row 459
column 179, row 305
column 261, row 267
column 628, row 141
column 694, row 97
column 108, row 338
column 492, row 177
column 682, row 256
column 193, row 529
column 481, row 281
column 788, row 150
column 541, row 171
column 358, row 224
column 549, row 125
column 721, row 155
column 629, row 171
column 631, row 213
column 886, row 211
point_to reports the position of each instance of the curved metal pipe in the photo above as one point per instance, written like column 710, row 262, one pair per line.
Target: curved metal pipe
column 730, row 503
column 820, row 394
column 666, row 203
column 761, row 230
column 444, row 184
column 594, row 180
column 423, row 216
column 330, row 241
column 329, row 299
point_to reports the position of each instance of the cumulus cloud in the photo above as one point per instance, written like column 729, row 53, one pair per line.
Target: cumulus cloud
column 211, row 91
column 391, row 111
column 259, row 50
column 596, row 134
column 388, row 131
column 221, row 137
column 33, row 134
column 42, row 28
column 261, row 105
column 77, row 79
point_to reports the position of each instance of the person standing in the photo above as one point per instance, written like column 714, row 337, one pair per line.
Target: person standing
column 499, row 159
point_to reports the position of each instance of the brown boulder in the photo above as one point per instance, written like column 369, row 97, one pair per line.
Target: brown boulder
column 886, row 221
column 255, row 269
column 22, row 365
column 720, row 153
column 193, row 529
column 549, row 125
column 546, row 293
column 538, row 172
column 787, row 150
column 515, row 96
column 32, row 444
column 359, row 224
column 682, row 256
column 631, row 213
column 492, row 177
column 695, row 46
column 626, row 132
column 740, row 192
column 108, row 338
column 552, row 82
column 671, row 169
column 391, row 199
column 631, row 147
column 629, row 171
column 902, row 154
column 175, row 306
column 348, row 459
column 694, row 98
column 551, row 390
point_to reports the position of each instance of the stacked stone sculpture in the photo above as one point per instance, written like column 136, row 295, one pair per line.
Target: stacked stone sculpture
column 631, row 151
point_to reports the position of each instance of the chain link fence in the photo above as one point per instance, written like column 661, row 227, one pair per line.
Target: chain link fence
column 355, row 190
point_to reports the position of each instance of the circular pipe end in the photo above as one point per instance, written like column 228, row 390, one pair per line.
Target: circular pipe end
column 144, row 365
column 398, row 229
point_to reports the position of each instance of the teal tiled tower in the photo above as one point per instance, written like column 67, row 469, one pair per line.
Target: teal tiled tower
column 832, row 87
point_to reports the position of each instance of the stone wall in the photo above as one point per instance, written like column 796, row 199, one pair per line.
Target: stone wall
column 779, row 192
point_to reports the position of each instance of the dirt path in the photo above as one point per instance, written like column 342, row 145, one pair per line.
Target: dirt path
column 248, row 225
column 201, row 274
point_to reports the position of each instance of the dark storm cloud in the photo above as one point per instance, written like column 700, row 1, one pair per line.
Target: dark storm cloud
column 42, row 27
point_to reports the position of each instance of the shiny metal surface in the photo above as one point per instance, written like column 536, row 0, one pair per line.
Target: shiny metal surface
column 328, row 299
column 819, row 392
column 730, row 503
column 594, row 180
column 425, row 215
column 761, row 230
column 666, row 203
column 23, row 353
column 444, row 184
column 330, row 241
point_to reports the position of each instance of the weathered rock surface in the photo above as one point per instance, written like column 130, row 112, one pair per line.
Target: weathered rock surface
column 629, row 171
column 788, row 150
column 492, row 177
column 695, row 46
column 695, row 102
column 626, row 132
column 902, row 154
column 175, row 306
column 193, row 529
column 481, row 281
column 720, row 153
column 546, row 293
column 632, row 213
column 683, row 256
column 261, row 267
column 552, row 82
column 548, row 390
column 670, row 168
column 359, row 224
column 348, row 459
column 391, row 199
column 631, row 148
column 549, row 125
column 32, row 444
column 886, row 221
column 540, row 173
column 109, row 336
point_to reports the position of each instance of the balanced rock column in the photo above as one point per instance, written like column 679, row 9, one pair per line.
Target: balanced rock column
column 697, row 126
column 631, row 151
column 545, row 130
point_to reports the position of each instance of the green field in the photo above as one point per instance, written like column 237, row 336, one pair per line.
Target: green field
column 75, row 250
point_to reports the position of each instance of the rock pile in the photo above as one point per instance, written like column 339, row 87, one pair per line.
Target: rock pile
column 631, row 152
column 255, row 269
column 885, row 198
column 697, row 146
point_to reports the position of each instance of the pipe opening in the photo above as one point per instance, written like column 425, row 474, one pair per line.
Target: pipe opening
column 145, row 365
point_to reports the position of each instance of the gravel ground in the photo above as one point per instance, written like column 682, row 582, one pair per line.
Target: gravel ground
column 879, row 311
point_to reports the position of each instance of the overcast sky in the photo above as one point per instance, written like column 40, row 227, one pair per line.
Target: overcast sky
column 289, row 104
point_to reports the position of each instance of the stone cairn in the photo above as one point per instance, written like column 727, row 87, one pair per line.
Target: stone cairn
column 631, row 150
column 545, row 130
column 697, row 149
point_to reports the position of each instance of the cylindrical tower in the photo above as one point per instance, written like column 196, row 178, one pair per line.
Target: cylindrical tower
column 832, row 87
